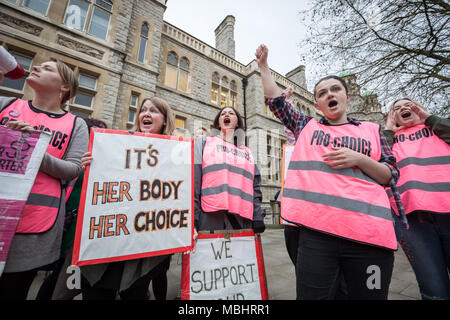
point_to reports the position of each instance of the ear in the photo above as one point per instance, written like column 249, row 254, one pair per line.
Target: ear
column 316, row 106
column 64, row 90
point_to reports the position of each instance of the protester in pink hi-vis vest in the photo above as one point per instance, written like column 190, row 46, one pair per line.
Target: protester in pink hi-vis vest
column 227, row 181
column 421, row 144
column 336, row 166
column 37, row 241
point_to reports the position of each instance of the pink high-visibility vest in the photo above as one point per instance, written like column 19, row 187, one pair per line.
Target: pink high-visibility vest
column 424, row 163
column 345, row 202
column 227, row 183
column 42, row 207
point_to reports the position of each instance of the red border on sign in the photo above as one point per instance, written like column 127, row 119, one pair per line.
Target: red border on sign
column 77, row 241
column 186, row 259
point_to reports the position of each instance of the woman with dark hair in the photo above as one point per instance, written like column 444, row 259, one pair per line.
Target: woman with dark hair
column 227, row 180
column 334, row 190
column 421, row 143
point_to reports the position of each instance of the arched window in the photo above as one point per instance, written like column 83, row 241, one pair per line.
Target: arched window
column 171, row 70
column 183, row 76
column 177, row 72
column 143, row 42
column 224, row 91
column 215, row 85
column 233, row 93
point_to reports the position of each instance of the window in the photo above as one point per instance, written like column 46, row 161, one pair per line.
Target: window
column 134, row 100
column 274, row 157
column 177, row 72
column 86, row 91
column 39, row 6
column 183, row 78
column 215, row 84
column 91, row 16
column 143, row 42
column 223, row 92
column 180, row 122
column 233, row 93
column 25, row 61
column 171, row 70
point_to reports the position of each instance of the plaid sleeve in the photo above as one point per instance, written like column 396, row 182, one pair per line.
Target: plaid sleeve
column 283, row 110
column 388, row 158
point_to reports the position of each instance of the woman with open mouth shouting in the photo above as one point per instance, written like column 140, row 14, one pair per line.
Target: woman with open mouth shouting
column 421, row 144
column 103, row 281
column 334, row 191
column 227, row 180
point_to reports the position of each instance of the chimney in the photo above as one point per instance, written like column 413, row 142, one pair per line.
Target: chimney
column 298, row 76
column 225, row 36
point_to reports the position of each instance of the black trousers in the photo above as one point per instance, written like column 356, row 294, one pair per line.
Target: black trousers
column 15, row 285
column 324, row 259
column 108, row 286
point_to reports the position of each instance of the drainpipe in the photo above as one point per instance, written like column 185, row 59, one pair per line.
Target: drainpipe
column 244, row 88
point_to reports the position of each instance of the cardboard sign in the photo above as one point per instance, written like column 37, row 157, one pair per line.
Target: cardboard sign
column 287, row 153
column 21, row 154
column 137, row 198
column 225, row 269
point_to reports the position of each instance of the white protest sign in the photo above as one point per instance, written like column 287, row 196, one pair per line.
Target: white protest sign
column 21, row 154
column 137, row 198
column 221, row 269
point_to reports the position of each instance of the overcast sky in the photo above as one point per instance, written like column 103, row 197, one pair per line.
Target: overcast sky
column 276, row 23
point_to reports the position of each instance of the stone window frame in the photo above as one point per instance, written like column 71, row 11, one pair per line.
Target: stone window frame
column 77, row 108
column 180, row 119
column 145, row 38
column 179, row 65
column 21, row 3
column 274, row 148
column 24, row 53
column 219, row 85
column 90, row 14
column 133, row 108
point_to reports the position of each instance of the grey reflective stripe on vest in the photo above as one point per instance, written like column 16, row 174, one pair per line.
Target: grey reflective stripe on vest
column 36, row 199
column 322, row 166
column 225, row 188
column 221, row 166
column 339, row 202
column 431, row 187
column 424, row 161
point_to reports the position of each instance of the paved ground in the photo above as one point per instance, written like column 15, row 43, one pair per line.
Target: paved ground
column 281, row 276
